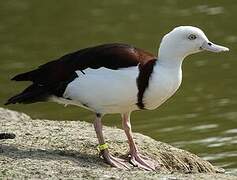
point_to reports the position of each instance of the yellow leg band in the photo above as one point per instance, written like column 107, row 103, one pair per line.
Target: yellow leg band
column 102, row 147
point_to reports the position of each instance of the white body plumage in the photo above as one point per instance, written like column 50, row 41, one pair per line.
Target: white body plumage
column 115, row 91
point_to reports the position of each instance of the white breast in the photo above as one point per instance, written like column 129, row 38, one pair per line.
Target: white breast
column 163, row 84
column 104, row 90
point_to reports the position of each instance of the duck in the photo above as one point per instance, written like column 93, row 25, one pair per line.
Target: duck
column 116, row 78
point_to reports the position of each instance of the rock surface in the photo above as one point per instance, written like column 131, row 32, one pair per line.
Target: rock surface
column 45, row 149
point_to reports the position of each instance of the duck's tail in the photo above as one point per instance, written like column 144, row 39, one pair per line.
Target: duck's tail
column 31, row 94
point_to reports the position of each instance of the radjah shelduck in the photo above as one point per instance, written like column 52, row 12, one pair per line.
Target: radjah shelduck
column 116, row 78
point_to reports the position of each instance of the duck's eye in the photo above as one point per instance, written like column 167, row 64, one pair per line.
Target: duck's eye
column 192, row 37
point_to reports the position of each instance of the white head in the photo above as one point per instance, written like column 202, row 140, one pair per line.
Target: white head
column 185, row 40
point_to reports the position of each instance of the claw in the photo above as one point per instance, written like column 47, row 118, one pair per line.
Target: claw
column 114, row 161
column 143, row 162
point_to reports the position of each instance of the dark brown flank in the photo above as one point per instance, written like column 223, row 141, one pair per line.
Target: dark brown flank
column 145, row 72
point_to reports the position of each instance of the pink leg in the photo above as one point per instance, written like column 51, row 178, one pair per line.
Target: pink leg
column 109, row 159
column 136, row 158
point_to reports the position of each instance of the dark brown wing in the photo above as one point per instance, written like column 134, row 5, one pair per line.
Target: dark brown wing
column 53, row 77
column 112, row 56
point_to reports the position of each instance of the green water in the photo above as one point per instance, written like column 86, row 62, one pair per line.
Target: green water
column 201, row 117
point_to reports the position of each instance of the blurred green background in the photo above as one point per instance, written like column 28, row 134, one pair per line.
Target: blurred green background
column 201, row 117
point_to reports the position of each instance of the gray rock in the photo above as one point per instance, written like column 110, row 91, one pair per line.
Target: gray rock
column 45, row 149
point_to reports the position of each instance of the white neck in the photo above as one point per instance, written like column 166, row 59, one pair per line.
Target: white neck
column 166, row 79
column 169, row 58
column 170, row 62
